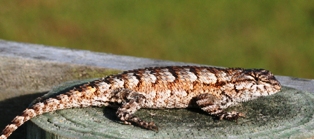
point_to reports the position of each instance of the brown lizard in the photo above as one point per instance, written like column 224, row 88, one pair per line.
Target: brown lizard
column 211, row 89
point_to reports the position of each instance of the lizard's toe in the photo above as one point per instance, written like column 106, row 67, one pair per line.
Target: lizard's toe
column 152, row 126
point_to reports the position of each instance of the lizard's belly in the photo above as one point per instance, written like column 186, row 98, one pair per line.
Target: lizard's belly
column 168, row 100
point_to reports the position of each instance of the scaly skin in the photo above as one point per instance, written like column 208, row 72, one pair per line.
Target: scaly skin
column 211, row 89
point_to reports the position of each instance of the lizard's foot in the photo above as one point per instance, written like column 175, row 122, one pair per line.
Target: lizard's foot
column 212, row 105
column 132, row 102
column 230, row 115
column 143, row 124
column 128, row 118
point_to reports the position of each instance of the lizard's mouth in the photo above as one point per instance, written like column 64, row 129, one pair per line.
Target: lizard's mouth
column 276, row 84
column 277, row 87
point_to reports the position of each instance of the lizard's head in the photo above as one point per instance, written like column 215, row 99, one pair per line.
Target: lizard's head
column 258, row 81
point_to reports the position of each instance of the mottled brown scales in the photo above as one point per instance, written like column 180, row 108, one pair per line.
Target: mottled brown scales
column 211, row 89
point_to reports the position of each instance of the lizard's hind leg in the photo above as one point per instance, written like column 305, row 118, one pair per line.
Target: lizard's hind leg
column 213, row 106
column 131, row 102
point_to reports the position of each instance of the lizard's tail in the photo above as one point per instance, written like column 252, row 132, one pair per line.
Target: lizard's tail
column 72, row 99
column 17, row 121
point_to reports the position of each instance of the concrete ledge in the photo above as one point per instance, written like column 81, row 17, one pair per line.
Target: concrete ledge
column 81, row 57
column 104, row 60
column 28, row 71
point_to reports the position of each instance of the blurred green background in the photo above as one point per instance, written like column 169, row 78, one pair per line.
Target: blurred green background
column 273, row 34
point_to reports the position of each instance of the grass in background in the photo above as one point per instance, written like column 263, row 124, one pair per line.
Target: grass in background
column 275, row 35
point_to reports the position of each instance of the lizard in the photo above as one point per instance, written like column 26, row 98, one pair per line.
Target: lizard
column 211, row 89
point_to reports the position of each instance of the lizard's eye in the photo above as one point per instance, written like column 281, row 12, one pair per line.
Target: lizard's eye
column 254, row 76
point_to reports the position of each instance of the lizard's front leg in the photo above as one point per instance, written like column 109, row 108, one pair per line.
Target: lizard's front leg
column 212, row 105
column 131, row 102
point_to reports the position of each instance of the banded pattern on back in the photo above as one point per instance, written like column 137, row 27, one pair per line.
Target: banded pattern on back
column 177, row 85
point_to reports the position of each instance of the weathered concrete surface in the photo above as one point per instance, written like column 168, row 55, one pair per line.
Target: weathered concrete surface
column 27, row 71
column 82, row 57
